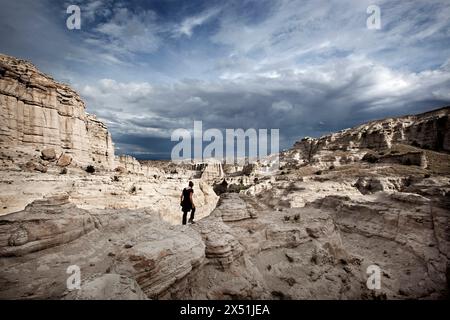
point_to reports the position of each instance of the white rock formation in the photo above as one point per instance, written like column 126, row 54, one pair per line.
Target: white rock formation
column 37, row 112
column 428, row 130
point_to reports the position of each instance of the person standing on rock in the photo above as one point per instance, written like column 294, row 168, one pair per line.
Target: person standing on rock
column 187, row 202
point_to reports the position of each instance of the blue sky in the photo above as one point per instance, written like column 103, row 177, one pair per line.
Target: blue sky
column 305, row 67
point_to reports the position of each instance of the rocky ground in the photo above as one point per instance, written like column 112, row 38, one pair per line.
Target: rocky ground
column 290, row 236
column 105, row 190
column 376, row 194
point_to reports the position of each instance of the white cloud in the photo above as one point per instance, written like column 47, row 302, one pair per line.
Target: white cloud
column 282, row 105
column 298, row 33
column 196, row 101
column 188, row 25
column 131, row 32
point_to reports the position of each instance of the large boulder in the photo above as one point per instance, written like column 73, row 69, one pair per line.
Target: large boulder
column 159, row 264
column 48, row 154
column 43, row 224
column 233, row 207
column 64, row 160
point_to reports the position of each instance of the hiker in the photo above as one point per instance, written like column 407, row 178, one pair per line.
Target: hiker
column 187, row 203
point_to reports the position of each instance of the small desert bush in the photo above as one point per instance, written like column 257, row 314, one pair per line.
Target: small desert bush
column 370, row 157
column 90, row 169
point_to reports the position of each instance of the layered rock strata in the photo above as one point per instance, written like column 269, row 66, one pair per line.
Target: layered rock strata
column 428, row 130
column 37, row 112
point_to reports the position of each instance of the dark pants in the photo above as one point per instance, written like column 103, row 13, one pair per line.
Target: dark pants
column 185, row 211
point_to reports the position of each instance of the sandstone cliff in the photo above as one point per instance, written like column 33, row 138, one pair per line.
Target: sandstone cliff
column 430, row 130
column 37, row 112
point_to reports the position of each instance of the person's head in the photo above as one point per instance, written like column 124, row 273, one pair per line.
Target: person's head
column 191, row 184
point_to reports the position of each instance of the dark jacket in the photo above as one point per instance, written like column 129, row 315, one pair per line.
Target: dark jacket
column 186, row 202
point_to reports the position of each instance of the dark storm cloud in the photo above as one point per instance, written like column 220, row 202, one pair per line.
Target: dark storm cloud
column 297, row 104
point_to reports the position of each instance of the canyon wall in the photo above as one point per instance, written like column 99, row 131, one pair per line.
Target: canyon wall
column 428, row 130
column 37, row 112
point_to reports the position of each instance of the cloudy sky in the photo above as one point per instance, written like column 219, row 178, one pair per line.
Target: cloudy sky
column 306, row 67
